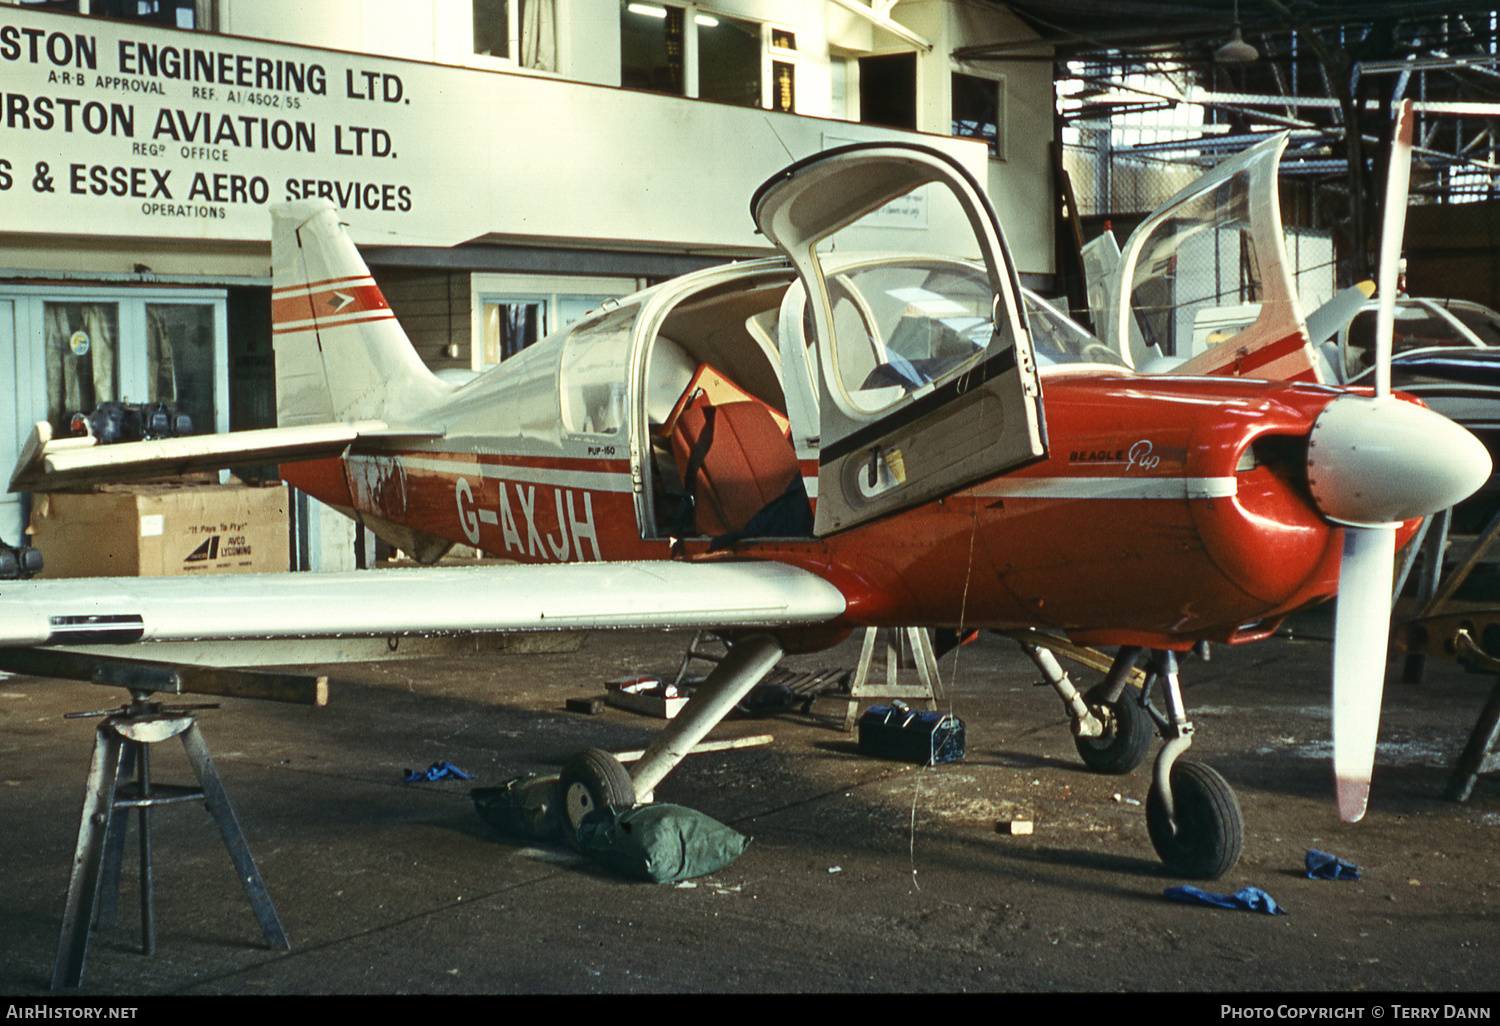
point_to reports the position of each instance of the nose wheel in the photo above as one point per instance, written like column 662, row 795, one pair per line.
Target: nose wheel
column 1192, row 815
column 1198, row 832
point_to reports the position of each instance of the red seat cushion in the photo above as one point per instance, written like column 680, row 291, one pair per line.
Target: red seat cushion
column 748, row 462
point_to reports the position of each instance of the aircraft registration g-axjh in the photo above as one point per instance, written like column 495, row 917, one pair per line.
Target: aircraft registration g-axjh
column 788, row 448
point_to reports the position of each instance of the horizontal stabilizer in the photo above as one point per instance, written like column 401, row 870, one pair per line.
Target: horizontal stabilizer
column 48, row 463
column 424, row 600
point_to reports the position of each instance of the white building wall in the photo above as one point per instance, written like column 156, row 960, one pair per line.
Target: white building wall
column 489, row 149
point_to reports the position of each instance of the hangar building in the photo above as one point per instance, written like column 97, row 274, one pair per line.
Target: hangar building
column 505, row 166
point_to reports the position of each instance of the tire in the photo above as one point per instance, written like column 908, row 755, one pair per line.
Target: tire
column 1210, row 831
column 590, row 782
column 1126, row 740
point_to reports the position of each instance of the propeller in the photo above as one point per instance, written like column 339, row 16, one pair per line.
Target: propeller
column 1372, row 463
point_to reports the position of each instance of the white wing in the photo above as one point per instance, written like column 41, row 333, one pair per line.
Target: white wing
column 443, row 600
column 48, row 463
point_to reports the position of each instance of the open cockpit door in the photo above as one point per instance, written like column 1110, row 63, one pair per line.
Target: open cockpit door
column 926, row 378
column 1205, row 281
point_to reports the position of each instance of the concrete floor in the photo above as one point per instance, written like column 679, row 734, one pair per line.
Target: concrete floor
column 863, row 875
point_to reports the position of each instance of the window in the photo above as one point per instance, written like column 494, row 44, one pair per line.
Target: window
column 492, row 32
column 783, row 86
column 729, row 52
column 888, row 90
column 839, row 98
column 651, row 47
column 183, row 14
column 180, row 360
column 175, row 13
column 721, row 59
column 592, row 376
column 81, row 346
column 1200, row 258
column 510, row 325
column 514, row 311
column 523, row 31
column 901, row 326
column 1482, row 321
column 978, row 111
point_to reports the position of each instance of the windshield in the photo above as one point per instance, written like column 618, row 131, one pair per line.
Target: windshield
column 900, row 326
column 1058, row 339
column 1481, row 320
column 1201, row 258
column 1415, row 327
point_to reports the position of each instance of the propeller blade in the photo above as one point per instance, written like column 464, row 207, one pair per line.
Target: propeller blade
column 1362, row 623
column 1391, row 231
column 1324, row 322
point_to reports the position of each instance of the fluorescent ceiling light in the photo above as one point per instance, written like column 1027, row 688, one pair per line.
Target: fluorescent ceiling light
column 706, row 20
column 649, row 10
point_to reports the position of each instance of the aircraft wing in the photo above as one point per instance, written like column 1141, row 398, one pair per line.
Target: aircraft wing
column 423, row 600
column 48, row 463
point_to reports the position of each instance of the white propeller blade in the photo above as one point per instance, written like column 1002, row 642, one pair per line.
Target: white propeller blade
column 1362, row 623
column 1362, row 620
column 1324, row 322
column 1392, row 231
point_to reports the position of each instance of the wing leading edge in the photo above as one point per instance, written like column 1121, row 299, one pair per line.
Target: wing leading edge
column 443, row 600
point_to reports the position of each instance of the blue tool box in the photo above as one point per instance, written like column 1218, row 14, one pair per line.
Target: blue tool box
column 900, row 732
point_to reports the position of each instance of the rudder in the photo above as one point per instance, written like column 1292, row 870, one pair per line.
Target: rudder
column 340, row 353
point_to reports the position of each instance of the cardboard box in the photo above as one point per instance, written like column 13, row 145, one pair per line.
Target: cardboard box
column 158, row 530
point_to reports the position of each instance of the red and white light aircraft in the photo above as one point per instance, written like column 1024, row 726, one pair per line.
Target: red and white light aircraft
column 788, row 448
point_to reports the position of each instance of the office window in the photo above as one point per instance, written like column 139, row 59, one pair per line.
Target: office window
column 511, row 323
column 492, row 32
column 888, row 90
column 180, row 359
column 524, row 31
column 729, row 58
column 651, row 47
column 516, row 310
column 184, row 14
column 783, row 86
column 81, row 343
column 978, row 110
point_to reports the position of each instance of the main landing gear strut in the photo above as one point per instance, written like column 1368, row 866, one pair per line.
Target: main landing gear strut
column 593, row 779
column 1192, row 815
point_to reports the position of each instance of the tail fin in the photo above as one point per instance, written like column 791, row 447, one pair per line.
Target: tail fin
column 340, row 354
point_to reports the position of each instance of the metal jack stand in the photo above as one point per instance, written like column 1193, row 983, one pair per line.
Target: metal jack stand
column 122, row 749
column 915, row 650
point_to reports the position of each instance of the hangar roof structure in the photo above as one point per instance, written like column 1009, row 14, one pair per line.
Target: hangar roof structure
column 1326, row 70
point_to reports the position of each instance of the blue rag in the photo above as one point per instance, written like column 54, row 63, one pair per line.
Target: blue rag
column 1251, row 899
column 437, row 771
column 1323, row 866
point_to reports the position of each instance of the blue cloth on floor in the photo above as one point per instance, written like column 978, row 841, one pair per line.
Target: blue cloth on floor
column 437, row 771
column 1323, row 866
column 1251, row 899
